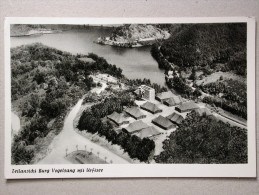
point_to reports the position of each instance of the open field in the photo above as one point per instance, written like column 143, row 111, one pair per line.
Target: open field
column 216, row 75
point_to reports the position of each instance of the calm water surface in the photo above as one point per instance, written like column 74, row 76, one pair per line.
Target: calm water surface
column 135, row 62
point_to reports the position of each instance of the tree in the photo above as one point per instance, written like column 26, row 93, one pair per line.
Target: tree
column 204, row 140
column 197, row 93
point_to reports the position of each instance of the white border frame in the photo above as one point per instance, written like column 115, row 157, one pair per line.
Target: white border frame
column 139, row 170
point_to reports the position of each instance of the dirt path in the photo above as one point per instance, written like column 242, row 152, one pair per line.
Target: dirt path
column 231, row 122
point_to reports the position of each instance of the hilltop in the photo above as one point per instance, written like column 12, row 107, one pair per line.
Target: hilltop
column 221, row 46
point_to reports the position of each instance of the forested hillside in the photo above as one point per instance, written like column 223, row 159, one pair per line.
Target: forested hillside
column 45, row 83
column 134, row 35
column 204, row 140
column 204, row 45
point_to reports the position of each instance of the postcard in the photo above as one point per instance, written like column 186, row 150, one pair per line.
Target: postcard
column 129, row 97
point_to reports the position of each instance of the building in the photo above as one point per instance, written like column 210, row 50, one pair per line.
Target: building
column 186, row 107
column 175, row 118
column 86, row 59
column 135, row 112
column 203, row 111
column 118, row 119
column 146, row 92
column 150, row 107
column 173, row 101
column 148, row 132
column 170, row 74
column 135, row 127
column 164, row 96
column 163, row 122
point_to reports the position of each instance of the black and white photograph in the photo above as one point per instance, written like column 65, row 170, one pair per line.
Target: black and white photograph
column 145, row 96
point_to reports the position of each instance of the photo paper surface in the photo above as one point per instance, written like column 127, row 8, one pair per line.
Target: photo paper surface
column 129, row 97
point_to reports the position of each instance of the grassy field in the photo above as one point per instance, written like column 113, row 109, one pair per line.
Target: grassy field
column 215, row 76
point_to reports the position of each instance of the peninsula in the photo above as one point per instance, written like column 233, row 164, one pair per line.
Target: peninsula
column 134, row 35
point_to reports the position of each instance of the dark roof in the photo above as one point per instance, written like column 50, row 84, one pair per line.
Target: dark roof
column 135, row 126
column 135, row 111
column 203, row 111
column 146, row 87
column 176, row 118
column 165, row 95
column 150, row 106
column 118, row 118
column 148, row 132
column 188, row 106
column 162, row 121
column 174, row 100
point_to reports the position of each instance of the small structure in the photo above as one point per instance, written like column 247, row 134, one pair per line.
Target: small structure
column 135, row 112
column 203, row 111
column 175, row 118
column 86, row 59
column 146, row 92
column 173, row 101
column 164, row 96
column 163, row 122
column 118, row 119
column 135, row 127
column 186, row 107
column 148, row 132
column 150, row 107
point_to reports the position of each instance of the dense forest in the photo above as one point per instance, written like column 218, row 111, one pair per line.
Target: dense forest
column 206, row 48
column 231, row 95
column 204, row 45
column 204, row 140
column 45, row 83
column 91, row 121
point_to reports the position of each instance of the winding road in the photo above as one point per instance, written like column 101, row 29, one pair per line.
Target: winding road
column 68, row 140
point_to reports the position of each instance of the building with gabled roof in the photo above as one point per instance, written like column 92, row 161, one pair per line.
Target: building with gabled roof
column 186, row 107
column 173, row 101
column 175, row 118
column 203, row 111
column 151, row 107
column 164, row 96
column 163, row 122
column 118, row 119
column 135, row 112
column 148, row 132
column 135, row 127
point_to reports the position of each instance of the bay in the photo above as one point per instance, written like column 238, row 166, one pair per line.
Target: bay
column 136, row 63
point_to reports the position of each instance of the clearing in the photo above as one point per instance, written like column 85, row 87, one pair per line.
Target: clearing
column 83, row 157
column 216, row 75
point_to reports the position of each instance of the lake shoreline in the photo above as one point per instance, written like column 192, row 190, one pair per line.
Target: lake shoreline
column 133, row 61
column 36, row 33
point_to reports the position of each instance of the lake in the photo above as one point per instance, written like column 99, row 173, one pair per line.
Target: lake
column 135, row 62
